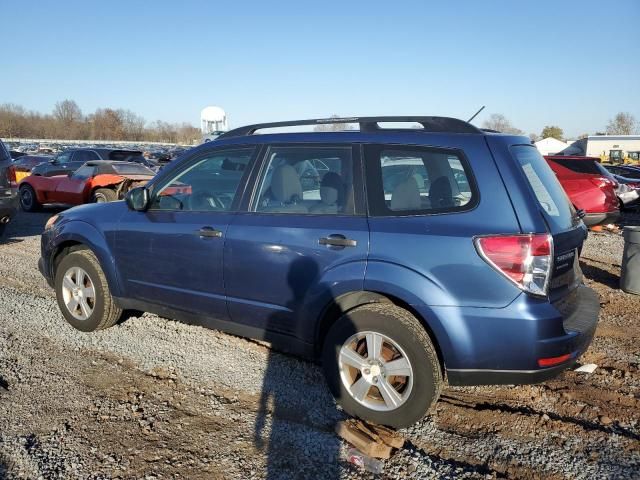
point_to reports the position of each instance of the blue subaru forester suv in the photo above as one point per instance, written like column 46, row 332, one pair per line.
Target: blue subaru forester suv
column 402, row 258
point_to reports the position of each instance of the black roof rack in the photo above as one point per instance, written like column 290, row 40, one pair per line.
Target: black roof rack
column 367, row 124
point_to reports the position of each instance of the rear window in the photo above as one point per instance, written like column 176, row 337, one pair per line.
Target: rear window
column 417, row 181
column 551, row 197
column 122, row 154
column 578, row 165
column 132, row 169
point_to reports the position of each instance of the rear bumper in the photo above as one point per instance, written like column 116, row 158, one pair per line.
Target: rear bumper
column 8, row 206
column 504, row 346
column 592, row 219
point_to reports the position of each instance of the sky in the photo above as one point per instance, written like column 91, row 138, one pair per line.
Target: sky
column 569, row 63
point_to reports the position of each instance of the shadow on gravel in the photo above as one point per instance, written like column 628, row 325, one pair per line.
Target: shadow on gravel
column 502, row 407
column 600, row 275
column 296, row 443
column 26, row 224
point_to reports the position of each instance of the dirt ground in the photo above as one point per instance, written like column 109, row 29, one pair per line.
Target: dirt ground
column 151, row 398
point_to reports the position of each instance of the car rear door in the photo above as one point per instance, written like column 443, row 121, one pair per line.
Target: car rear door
column 302, row 238
column 172, row 254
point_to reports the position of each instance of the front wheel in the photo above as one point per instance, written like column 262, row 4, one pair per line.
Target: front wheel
column 83, row 293
column 381, row 365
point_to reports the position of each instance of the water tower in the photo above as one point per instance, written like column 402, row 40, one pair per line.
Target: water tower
column 213, row 120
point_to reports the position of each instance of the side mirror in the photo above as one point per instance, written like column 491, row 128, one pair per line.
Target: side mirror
column 137, row 199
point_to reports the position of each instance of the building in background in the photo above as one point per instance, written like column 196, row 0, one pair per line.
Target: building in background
column 609, row 148
column 550, row 146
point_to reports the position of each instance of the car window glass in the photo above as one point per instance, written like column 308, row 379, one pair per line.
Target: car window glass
column 545, row 186
column 85, row 156
column 417, row 181
column 63, row 157
column 210, row 184
column 84, row 172
column 307, row 180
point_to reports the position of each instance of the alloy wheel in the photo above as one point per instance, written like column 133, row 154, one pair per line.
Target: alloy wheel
column 375, row 371
column 78, row 293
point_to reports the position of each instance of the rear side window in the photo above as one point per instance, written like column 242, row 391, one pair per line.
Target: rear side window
column 417, row 181
column 551, row 197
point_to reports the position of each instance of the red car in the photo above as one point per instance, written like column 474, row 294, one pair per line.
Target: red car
column 96, row 181
column 588, row 189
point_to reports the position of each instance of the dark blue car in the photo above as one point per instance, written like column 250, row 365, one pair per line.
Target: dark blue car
column 399, row 257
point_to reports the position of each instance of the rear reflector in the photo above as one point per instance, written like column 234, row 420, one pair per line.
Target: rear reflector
column 552, row 361
column 524, row 259
column 11, row 176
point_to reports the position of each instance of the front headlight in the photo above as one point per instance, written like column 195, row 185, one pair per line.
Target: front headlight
column 51, row 222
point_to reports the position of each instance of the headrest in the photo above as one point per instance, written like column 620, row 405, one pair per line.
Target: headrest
column 406, row 196
column 440, row 194
column 330, row 188
column 285, row 184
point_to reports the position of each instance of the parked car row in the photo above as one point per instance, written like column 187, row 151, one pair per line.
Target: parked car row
column 398, row 264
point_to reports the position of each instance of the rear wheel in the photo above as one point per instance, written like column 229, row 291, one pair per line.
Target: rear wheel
column 104, row 195
column 28, row 199
column 381, row 365
column 83, row 293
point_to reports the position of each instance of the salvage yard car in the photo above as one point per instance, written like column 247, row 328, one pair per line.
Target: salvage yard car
column 443, row 253
column 99, row 181
column 7, row 189
column 71, row 159
column 589, row 190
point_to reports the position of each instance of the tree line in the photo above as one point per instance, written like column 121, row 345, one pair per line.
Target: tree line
column 67, row 122
column 623, row 123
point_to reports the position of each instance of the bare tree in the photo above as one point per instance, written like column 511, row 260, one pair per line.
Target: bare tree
column 622, row 124
column 500, row 123
column 534, row 137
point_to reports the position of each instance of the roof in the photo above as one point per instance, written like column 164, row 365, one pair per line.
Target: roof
column 106, row 167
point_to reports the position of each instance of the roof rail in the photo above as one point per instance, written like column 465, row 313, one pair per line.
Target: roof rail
column 367, row 124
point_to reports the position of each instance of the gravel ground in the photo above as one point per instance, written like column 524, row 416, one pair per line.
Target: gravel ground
column 152, row 398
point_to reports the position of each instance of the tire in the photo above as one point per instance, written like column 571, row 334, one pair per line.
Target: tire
column 3, row 227
column 395, row 326
column 104, row 195
column 71, row 272
column 28, row 199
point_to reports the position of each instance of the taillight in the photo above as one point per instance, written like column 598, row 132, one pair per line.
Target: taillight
column 524, row 259
column 11, row 176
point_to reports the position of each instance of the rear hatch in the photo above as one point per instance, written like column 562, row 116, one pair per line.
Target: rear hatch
column 562, row 222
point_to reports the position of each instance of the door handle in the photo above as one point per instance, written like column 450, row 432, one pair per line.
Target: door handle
column 337, row 240
column 209, row 232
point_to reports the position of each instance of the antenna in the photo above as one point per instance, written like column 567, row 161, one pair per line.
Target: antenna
column 476, row 114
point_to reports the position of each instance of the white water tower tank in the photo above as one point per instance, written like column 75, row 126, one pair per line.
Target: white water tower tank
column 213, row 119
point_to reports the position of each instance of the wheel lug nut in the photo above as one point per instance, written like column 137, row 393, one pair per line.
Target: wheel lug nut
column 367, row 371
column 375, row 379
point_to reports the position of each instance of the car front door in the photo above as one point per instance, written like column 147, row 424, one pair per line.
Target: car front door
column 172, row 254
column 299, row 242
column 70, row 189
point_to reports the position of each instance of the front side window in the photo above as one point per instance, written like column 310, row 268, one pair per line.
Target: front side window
column 307, row 180
column 63, row 157
column 84, row 172
column 417, row 181
column 209, row 184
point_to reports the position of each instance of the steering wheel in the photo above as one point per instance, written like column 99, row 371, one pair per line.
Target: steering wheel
column 206, row 201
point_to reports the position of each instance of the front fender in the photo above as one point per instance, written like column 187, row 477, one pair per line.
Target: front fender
column 78, row 231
